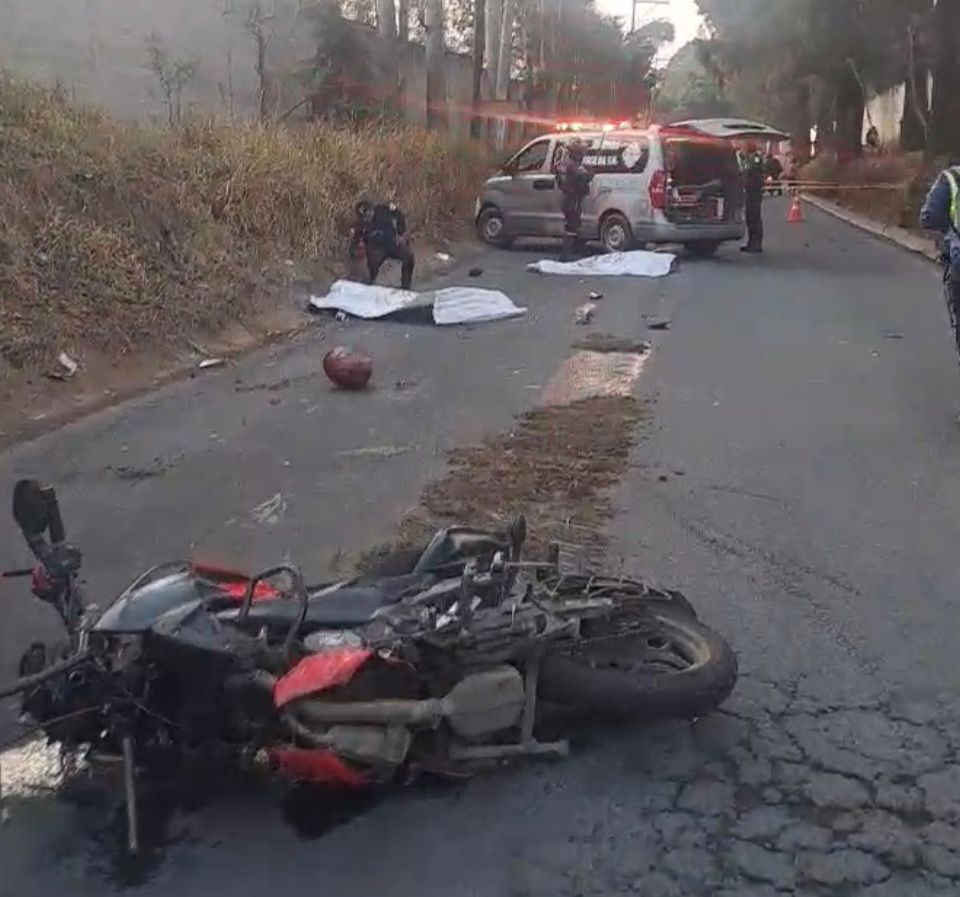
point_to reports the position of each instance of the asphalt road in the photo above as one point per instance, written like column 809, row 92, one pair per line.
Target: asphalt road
column 799, row 481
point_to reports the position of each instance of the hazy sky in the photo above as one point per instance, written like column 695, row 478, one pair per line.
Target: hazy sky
column 683, row 13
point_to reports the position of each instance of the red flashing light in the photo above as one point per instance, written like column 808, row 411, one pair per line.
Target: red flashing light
column 658, row 190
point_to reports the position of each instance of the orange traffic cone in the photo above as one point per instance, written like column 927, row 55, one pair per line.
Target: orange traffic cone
column 795, row 215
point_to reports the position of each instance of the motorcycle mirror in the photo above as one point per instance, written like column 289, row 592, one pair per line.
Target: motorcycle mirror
column 30, row 508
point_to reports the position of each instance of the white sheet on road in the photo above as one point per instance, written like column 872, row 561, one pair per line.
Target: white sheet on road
column 364, row 301
column 454, row 305
column 466, row 305
column 637, row 263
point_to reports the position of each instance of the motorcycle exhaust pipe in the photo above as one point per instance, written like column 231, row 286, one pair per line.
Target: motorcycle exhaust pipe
column 130, row 794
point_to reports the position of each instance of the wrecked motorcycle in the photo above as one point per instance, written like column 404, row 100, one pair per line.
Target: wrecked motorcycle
column 441, row 662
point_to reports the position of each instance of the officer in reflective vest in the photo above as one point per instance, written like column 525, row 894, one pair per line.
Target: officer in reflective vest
column 941, row 212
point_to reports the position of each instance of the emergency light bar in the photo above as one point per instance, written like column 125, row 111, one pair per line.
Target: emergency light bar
column 591, row 126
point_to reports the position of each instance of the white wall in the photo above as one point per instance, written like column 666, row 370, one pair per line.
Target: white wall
column 885, row 112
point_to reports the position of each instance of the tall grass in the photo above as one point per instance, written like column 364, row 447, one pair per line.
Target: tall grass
column 116, row 235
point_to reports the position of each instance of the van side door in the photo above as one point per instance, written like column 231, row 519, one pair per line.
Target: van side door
column 527, row 188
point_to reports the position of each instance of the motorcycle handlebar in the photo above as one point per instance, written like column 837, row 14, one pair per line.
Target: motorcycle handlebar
column 58, row 533
column 28, row 682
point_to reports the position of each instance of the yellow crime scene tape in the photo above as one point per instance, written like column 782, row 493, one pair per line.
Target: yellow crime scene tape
column 824, row 185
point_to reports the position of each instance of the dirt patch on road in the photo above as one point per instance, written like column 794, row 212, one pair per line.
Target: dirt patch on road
column 556, row 466
column 607, row 342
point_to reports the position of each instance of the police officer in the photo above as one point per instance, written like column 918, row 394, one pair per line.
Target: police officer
column 941, row 212
column 573, row 179
column 381, row 230
column 753, row 177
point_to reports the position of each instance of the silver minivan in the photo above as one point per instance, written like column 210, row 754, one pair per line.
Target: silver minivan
column 665, row 184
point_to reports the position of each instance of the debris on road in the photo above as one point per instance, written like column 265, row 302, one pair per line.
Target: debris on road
column 594, row 296
column 475, row 272
column 453, row 305
column 209, row 363
column 443, row 257
column 270, row 511
column 66, row 370
column 891, row 334
column 588, row 445
column 637, row 263
column 606, row 342
column 375, row 451
column 584, row 313
column 347, row 368
column 659, row 324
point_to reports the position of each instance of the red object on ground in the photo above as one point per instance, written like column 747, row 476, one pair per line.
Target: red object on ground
column 322, row 767
column 347, row 368
column 795, row 215
column 318, row 672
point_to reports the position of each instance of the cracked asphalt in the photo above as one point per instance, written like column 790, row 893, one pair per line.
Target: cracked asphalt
column 799, row 481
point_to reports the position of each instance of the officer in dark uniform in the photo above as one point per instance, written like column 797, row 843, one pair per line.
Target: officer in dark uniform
column 573, row 179
column 753, row 178
column 381, row 231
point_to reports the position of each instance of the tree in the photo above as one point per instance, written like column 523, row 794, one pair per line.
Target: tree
column 945, row 108
column 479, row 41
column 817, row 60
column 172, row 74
column 338, row 77
column 436, row 63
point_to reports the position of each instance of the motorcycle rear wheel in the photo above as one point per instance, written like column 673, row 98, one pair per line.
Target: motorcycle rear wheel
column 670, row 668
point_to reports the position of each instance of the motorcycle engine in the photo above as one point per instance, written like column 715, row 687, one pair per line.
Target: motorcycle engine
column 65, row 706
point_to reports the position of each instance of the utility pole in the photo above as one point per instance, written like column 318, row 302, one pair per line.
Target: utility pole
column 646, row 4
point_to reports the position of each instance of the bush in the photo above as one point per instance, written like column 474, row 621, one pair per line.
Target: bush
column 115, row 235
column 889, row 187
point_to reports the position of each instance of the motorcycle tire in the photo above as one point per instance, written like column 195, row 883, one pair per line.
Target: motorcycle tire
column 603, row 675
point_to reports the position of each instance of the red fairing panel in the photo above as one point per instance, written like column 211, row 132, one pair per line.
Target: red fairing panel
column 323, row 767
column 233, row 583
column 319, row 672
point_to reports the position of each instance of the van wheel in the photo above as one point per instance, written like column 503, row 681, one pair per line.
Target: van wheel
column 703, row 248
column 616, row 233
column 491, row 227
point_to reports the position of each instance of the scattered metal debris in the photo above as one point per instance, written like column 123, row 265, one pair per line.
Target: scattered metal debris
column 444, row 257
column 66, row 370
column 584, row 313
column 594, row 296
column 375, row 451
column 607, row 342
column 475, row 272
column 659, row 324
column 210, row 363
column 892, row 334
column 269, row 512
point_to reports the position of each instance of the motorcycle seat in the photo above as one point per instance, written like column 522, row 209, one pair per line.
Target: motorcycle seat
column 348, row 606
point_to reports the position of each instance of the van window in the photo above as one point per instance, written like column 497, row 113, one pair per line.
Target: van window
column 692, row 162
column 532, row 158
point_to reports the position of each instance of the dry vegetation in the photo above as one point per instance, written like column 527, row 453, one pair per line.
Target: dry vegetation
column 114, row 236
column 899, row 205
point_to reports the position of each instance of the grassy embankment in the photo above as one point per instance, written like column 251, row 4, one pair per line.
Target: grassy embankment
column 115, row 237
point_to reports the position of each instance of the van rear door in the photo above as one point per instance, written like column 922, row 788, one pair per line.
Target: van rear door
column 704, row 183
